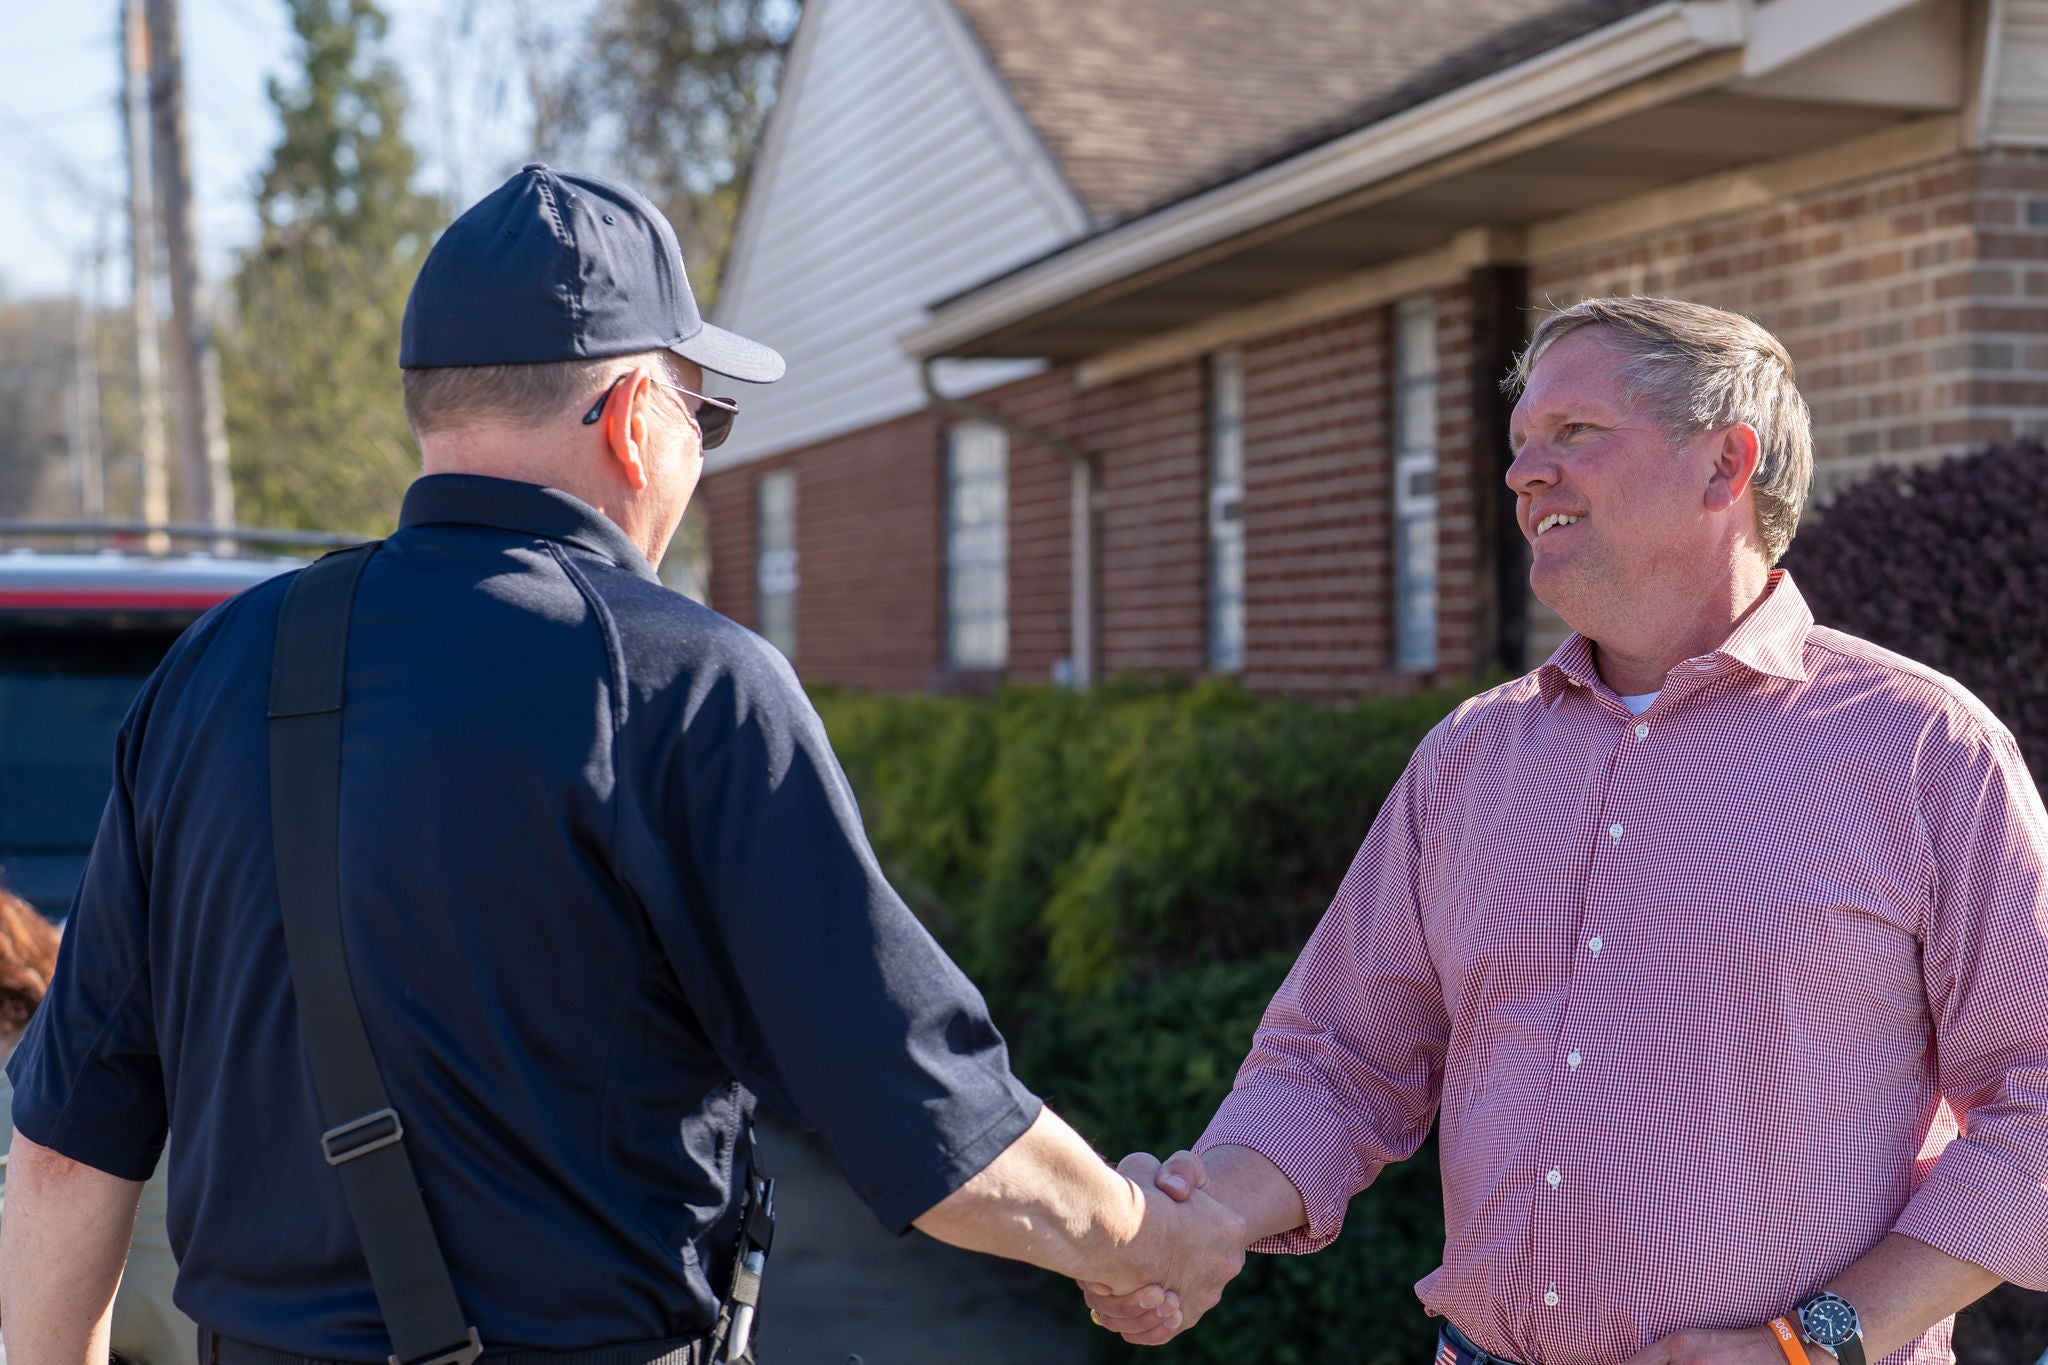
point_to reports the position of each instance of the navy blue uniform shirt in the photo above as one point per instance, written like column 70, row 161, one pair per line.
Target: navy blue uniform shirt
column 603, row 882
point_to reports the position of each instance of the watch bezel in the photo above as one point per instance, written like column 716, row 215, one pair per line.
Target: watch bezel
column 1831, row 1342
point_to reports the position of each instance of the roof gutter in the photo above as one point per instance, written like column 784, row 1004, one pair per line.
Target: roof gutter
column 1645, row 43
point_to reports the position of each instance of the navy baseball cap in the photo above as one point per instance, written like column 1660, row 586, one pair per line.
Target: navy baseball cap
column 557, row 266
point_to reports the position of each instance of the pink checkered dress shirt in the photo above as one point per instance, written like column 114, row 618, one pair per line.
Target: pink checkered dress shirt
column 1700, row 994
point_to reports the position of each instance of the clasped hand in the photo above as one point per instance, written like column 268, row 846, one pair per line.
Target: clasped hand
column 1189, row 1247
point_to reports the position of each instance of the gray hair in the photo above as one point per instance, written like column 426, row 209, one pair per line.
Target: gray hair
column 1700, row 368
column 451, row 397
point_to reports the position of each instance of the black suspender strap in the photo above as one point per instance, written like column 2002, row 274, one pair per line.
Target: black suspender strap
column 365, row 1138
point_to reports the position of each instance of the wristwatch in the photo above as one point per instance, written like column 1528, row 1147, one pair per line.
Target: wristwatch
column 1829, row 1321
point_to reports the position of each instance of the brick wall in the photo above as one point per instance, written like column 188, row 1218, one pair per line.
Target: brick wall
column 1153, row 546
column 1457, row 534
column 1318, row 479
column 1152, row 549
column 1041, row 524
column 1915, row 306
column 870, row 546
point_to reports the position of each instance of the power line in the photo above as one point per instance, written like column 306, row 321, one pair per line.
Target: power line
column 59, row 161
column 30, row 125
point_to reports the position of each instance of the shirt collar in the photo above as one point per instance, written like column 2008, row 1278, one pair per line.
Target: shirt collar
column 524, row 508
column 1770, row 640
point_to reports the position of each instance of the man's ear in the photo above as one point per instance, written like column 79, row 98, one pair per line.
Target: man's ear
column 1735, row 462
column 625, row 428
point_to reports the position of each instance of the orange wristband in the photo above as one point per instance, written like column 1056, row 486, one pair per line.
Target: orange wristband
column 1788, row 1341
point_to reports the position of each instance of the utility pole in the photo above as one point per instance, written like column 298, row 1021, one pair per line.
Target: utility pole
column 149, row 363
column 204, row 492
column 88, row 480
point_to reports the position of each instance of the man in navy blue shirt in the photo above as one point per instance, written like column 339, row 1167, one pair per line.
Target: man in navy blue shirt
column 602, row 881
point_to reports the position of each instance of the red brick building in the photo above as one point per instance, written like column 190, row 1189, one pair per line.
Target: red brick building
column 1165, row 337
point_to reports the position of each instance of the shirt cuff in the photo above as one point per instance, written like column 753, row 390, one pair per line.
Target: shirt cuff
column 1979, row 1204
column 902, row 1206
column 1309, row 1138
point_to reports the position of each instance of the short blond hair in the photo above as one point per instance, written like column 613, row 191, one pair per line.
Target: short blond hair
column 1700, row 368
column 448, row 398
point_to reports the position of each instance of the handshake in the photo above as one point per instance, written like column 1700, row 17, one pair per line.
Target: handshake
column 1150, row 1243
column 1189, row 1245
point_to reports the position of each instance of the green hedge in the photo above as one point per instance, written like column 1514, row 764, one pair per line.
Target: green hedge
column 1127, row 874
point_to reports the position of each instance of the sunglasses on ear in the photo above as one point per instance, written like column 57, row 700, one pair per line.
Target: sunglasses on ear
column 713, row 416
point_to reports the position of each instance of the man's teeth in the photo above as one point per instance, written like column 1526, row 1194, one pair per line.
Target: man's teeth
column 1554, row 519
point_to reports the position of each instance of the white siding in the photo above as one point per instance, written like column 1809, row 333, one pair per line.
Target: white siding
column 897, row 172
column 2017, row 113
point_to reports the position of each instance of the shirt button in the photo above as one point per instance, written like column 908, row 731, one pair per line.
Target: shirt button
column 1550, row 1298
column 1572, row 1061
column 1614, row 833
column 1642, row 729
column 1593, row 945
column 1554, row 1176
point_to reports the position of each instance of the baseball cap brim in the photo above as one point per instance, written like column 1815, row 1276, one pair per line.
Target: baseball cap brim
column 731, row 355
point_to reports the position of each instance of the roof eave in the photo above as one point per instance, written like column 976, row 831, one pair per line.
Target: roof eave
column 1641, row 45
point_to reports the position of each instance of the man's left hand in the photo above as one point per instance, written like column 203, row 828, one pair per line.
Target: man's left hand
column 1697, row 1346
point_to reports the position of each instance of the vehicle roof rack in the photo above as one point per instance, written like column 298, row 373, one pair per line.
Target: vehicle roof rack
column 181, row 530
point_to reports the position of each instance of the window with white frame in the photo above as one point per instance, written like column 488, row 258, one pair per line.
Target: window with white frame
column 1415, row 596
column 1226, row 511
column 977, row 546
column 775, row 559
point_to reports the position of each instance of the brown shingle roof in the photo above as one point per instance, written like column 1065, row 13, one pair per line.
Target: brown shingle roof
column 1143, row 102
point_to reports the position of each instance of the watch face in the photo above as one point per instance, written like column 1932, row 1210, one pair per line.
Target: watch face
column 1829, row 1320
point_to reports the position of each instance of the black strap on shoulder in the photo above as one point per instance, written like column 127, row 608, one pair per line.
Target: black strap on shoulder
column 365, row 1138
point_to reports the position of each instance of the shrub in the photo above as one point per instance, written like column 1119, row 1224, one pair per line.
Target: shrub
column 1127, row 874
column 1947, row 564
column 1142, row 1069
column 1059, row 843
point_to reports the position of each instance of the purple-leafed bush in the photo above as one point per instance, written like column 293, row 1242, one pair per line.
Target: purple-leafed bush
column 1947, row 564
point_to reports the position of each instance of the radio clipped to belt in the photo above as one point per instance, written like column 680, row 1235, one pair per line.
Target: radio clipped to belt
column 732, row 1343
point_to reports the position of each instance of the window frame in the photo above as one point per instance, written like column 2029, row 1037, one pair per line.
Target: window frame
column 1225, row 481
column 1413, row 501
column 977, row 550
column 776, row 577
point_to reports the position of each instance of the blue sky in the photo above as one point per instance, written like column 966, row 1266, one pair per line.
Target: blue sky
column 62, row 172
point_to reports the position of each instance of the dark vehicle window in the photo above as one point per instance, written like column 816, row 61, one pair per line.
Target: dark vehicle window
column 63, row 692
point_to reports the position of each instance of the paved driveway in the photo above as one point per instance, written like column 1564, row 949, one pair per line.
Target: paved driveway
column 840, row 1285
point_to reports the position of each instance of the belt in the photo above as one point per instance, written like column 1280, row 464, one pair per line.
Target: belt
column 215, row 1349
column 1454, row 1348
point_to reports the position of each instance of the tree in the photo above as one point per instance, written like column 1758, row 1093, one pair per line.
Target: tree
column 672, row 97
column 310, row 369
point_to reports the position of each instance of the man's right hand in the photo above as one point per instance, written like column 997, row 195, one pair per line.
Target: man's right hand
column 1191, row 1244
column 1154, row 1314
column 1049, row 1199
column 1241, row 1178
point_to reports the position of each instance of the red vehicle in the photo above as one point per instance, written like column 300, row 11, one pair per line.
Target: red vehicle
column 79, row 632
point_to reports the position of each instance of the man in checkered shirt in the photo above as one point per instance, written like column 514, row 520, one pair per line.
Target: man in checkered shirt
column 1719, row 943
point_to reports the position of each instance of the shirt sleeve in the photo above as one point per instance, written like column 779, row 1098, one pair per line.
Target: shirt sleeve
column 1347, row 1065
column 1985, row 958
column 88, row 1082
column 832, row 1001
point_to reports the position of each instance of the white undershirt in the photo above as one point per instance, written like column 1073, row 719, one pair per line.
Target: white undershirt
column 1640, row 702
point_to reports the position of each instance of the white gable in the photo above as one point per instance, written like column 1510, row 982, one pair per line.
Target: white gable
column 897, row 171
